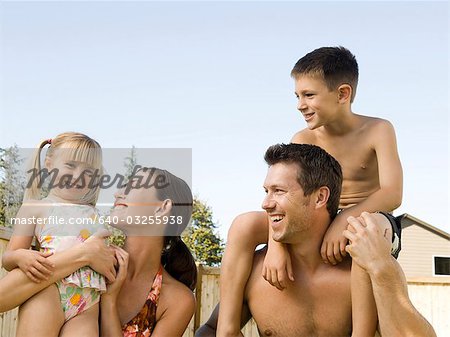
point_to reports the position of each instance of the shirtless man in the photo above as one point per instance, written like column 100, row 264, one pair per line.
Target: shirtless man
column 302, row 187
column 325, row 85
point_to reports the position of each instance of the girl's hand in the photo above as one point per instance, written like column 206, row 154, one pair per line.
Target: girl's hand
column 34, row 264
column 112, row 289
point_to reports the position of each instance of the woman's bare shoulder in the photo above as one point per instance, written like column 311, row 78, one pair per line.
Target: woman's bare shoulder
column 175, row 296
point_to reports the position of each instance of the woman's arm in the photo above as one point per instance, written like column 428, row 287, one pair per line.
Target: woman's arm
column 16, row 287
column 110, row 325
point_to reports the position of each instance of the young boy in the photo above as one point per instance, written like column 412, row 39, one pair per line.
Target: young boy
column 325, row 85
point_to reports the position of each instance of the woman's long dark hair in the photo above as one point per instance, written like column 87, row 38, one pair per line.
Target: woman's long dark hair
column 178, row 261
column 176, row 258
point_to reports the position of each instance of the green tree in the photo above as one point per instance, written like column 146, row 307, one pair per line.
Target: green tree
column 130, row 162
column 201, row 237
column 12, row 184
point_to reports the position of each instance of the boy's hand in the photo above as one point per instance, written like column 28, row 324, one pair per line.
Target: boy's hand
column 34, row 264
column 277, row 267
column 333, row 245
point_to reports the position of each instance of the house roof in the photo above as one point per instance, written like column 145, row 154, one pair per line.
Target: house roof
column 409, row 220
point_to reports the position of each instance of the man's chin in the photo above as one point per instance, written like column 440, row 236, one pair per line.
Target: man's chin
column 277, row 237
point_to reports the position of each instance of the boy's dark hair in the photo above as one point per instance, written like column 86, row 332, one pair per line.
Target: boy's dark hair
column 336, row 66
column 317, row 168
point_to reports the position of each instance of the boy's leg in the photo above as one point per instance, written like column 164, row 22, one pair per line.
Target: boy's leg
column 364, row 310
column 41, row 315
column 246, row 232
column 83, row 324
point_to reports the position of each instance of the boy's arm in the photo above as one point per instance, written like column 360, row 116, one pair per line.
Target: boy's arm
column 16, row 287
column 277, row 266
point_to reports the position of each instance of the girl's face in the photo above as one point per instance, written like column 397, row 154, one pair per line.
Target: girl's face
column 137, row 210
column 70, row 180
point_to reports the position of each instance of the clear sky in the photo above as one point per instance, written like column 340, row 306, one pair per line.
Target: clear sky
column 214, row 77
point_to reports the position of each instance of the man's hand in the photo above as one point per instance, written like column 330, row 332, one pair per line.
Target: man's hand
column 368, row 247
column 277, row 267
column 34, row 264
column 100, row 256
column 333, row 244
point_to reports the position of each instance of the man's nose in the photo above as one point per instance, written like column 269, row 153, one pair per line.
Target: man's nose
column 268, row 202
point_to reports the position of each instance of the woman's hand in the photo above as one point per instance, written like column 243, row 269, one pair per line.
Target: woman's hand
column 99, row 256
column 113, row 289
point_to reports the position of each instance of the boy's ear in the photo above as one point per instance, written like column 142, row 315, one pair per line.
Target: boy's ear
column 345, row 93
column 322, row 195
column 165, row 208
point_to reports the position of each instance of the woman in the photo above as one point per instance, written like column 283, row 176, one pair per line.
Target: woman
column 152, row 292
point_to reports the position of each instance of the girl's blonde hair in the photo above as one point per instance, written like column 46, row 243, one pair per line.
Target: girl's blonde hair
column 76, row 147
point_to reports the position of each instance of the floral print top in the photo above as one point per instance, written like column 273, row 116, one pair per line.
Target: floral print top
column 65, row 226
column 143, row 324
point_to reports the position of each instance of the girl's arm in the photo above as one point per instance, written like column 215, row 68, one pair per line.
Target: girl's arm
column 16, row 287
column 18, row 253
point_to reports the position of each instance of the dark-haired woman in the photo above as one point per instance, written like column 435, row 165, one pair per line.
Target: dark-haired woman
column 152, row 294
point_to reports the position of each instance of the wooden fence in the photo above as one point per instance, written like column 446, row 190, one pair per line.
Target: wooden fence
column 431, row 296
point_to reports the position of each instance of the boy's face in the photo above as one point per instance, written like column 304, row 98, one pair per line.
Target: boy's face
column 316, row 102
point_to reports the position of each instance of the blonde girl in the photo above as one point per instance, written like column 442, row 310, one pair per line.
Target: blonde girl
column 59, row 209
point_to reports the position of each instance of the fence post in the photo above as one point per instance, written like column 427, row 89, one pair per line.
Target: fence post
column 198, row 296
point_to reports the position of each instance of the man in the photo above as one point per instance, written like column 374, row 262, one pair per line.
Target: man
column 302, row 187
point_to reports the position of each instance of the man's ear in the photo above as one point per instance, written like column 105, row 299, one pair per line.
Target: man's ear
column 164, row 208
column 344, row 93
column 322, row 195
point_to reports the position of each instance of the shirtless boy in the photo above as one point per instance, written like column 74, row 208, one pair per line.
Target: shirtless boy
column 325, row 85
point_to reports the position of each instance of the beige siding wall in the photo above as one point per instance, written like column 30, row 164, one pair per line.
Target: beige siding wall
column 432, row 299
column 418, row 247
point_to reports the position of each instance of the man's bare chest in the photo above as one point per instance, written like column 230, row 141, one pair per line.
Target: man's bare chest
column 304, row 311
